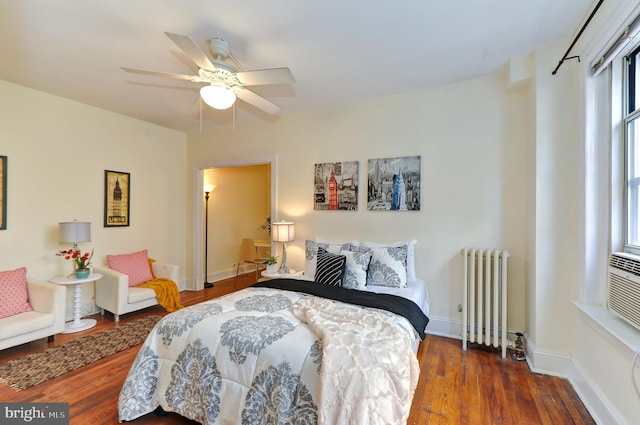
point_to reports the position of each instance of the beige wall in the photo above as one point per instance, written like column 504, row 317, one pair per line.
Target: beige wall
column 57, row 152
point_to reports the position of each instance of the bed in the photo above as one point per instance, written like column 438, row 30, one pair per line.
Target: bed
column 284, row 351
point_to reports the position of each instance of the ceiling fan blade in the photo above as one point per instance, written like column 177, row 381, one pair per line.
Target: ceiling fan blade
column 258, row 101
column 191, row 48
column 265, row 76
column 192, row 78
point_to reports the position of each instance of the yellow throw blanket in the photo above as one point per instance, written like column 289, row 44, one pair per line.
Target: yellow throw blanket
column 166, row 292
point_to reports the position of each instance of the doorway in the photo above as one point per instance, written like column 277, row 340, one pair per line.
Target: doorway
column 229, row 196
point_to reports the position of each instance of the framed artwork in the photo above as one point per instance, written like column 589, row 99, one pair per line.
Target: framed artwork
column 336, row 186
column 116, row 198
column 394, row 184
column 3, row 192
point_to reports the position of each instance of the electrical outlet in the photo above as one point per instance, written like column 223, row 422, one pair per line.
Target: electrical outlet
column 459, row 308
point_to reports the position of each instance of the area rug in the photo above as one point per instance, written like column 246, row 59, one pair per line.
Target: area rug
column 38, row 367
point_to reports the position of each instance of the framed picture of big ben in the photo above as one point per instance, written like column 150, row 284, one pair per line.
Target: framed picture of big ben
column 117, row 186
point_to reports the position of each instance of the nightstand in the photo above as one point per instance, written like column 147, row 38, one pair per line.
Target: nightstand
column 77, row 325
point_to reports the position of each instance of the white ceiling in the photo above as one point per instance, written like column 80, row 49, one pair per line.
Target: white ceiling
column 339, row 51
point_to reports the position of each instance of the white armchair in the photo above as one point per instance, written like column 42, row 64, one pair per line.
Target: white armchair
column 114, row 294
column 48, row 301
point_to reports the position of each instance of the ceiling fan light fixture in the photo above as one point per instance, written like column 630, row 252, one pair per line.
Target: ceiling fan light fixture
column 218, row 97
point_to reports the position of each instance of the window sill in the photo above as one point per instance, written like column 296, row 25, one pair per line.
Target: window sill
column 615, row 330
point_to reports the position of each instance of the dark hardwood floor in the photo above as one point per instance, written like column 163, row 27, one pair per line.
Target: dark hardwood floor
column 455, row 387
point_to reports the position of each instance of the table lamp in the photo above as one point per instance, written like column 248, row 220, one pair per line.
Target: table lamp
column 75, row 232
column 284, row 232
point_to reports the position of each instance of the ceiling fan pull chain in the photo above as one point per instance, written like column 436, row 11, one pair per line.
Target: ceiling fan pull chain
column 200, row 104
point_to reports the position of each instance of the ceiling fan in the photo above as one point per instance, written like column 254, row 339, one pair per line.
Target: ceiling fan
column 225, row 81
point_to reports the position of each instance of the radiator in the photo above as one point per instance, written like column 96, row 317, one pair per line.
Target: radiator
column 484, row 309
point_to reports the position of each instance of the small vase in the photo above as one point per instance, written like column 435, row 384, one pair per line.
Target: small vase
column 272, row 268
column 83, row 273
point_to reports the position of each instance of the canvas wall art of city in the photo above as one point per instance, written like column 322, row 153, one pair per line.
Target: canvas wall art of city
column 336, row 186
column 394, row 184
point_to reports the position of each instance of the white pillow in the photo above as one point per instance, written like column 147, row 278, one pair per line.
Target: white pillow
column 388, row 267
column 411, row 256
column 355, row 274
column 311, row 254
column 353, row 243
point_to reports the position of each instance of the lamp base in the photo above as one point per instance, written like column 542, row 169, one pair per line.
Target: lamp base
column 208, row 284
column 283, row 269
column 283, row 266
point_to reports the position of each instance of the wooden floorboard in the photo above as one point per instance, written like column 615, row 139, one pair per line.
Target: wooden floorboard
column 456, row 387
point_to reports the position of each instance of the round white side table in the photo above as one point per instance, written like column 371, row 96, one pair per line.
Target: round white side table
column 292, row 274
column 77, row 324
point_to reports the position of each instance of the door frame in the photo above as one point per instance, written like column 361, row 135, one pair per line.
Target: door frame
column 197, row 282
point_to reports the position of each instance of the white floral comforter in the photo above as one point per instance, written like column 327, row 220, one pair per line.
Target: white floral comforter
column 246, row 358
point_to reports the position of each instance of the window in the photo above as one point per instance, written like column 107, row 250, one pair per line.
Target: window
column 631, row 118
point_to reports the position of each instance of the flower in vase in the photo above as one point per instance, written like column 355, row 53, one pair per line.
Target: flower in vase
column 81, row 261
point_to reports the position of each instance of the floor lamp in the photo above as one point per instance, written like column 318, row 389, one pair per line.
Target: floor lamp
column 208, row 188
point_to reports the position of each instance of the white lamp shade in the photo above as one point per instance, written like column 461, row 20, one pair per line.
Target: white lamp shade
column 209, row 187
column 218, row 97
column 75, row 231
column 282, row 231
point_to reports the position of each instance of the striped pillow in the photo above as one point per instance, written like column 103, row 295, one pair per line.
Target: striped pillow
column 329, row 268
column 311, row 251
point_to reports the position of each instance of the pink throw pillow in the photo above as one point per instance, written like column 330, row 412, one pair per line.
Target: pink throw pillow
column 134, row 265
column 14, row 296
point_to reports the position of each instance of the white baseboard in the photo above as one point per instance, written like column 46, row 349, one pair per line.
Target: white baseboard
column 453, row 329
column 564, row 366
column 218, row 276
column 231, row 273
column 544, row 363
column 444, row 327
